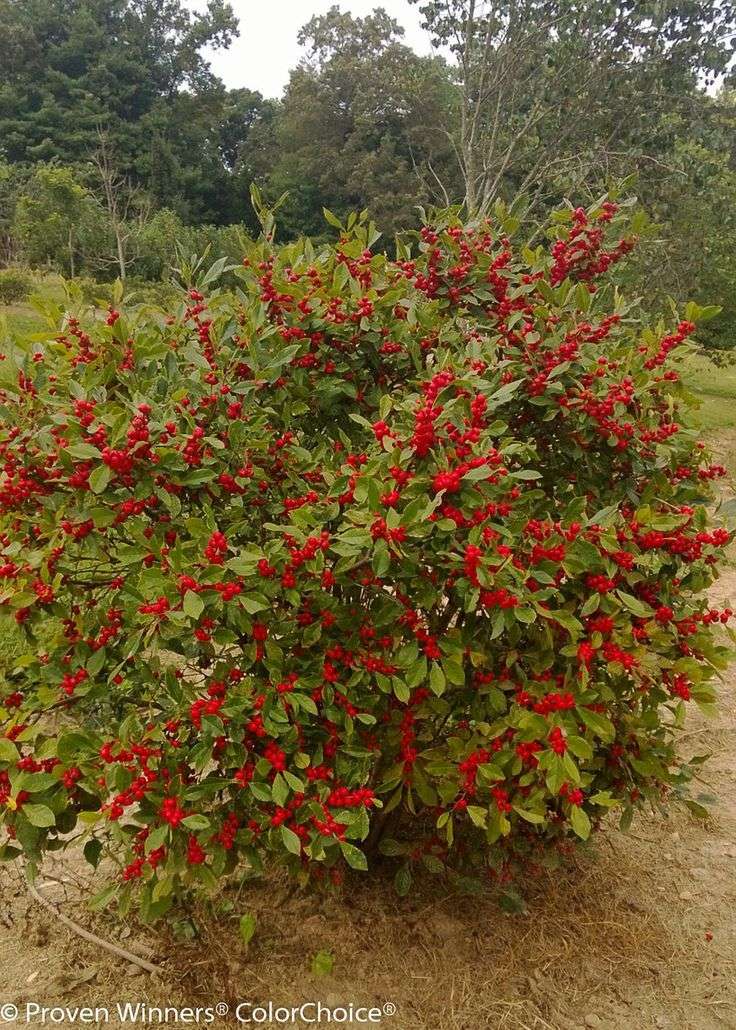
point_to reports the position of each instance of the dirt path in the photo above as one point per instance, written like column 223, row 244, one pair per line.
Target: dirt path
column 641, row 934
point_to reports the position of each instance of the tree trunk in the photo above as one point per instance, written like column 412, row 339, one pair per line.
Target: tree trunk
column 381, row 824
column 121, row 252
column 71, row 254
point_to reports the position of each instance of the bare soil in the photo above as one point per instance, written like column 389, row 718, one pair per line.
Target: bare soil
column 639, row 933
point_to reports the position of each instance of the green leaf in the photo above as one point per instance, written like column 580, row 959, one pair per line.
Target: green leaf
column 291, row 841
column 332, row 219
column 707, row 312
column 8, row 751
column 571, row 770
column 505, row 393
column 565, row 619
column 454, row 671
column 97, row 662
column 37, row 783
column 590, row 605
column 627, row 816
column 582, row 297
column 437, row 680
column 83, row 450
column 196, row 822
column 402, row 881
column 247, row 927
column 490, row 772
column 531, row 817
column 260, row 791
column 193, row 604
column 294, row 782
column 511, row 901
column 417, row 673
column 604, row 798
column 477, row 815
column 92, row 852
column 102, row 900
column 279, row 790
column 555, row 775
column 697, row 809
column 39, row 815
column 580, row 822
column 401, row 690
column 354, row 856
column 579, row 747
column 634, row 604
column 99, row 478
column 381, row 558
column 163, row 888
column 391, row 847
column 600, row 725
column 474, row 475
column 70, row 745
column 156, row 838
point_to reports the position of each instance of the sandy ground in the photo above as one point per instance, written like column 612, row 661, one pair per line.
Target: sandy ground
column 640, row 933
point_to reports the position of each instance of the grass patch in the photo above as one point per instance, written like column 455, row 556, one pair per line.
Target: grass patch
column 715, row 388
column 19, row 318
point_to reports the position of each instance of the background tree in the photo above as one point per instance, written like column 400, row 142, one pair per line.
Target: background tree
column 356, row 128
column 126, row 208
column 550, row 88
column 201, row 154
column 71, row 65
column 691, row 196
column 11, row 179
column 57, row 219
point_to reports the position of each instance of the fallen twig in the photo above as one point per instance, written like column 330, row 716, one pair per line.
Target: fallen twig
column 114, row 949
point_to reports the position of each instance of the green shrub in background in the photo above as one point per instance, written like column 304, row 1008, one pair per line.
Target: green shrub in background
column 91, row 291
column 15, row 285
column 164, row 240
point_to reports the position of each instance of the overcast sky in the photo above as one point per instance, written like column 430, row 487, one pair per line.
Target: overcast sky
column 267, row 49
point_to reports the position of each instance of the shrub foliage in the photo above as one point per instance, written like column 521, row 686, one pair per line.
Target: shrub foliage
column 15, row 285
column 366, row 555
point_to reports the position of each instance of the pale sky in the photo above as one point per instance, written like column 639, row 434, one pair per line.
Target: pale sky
column 262, row 56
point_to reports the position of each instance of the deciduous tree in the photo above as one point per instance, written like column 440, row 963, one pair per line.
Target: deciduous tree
column 550, row 88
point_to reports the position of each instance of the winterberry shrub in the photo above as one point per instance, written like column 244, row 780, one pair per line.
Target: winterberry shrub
column 368, row 555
